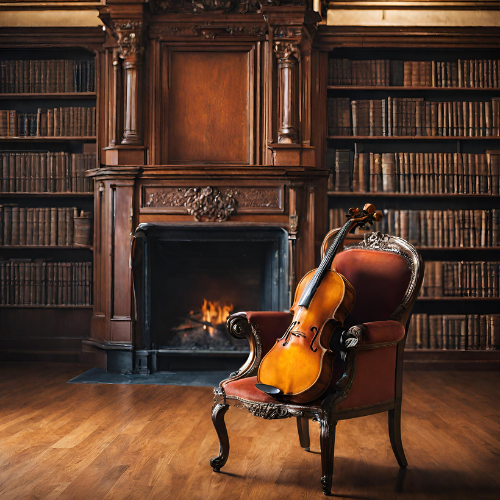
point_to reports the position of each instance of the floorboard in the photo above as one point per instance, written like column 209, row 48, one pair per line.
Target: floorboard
column 116, row 442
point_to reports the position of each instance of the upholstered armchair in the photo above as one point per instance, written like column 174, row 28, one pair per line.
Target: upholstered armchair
column 386, row 273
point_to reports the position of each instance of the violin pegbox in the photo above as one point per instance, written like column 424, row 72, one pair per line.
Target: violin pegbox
column 365, row 218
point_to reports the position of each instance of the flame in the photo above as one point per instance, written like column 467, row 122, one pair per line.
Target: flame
column 214, row 313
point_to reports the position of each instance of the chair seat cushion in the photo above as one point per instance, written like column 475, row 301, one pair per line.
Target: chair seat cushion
column 244, row 388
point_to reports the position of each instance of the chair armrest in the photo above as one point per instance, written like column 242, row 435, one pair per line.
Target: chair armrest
column 380, row 334
column 261, row 329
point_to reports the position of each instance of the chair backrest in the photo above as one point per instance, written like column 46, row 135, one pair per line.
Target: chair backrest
column 386, row 272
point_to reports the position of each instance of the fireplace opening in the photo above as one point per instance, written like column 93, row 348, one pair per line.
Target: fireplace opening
column 193, row 277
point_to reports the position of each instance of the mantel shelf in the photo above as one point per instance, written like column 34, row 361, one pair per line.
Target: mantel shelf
column 416, row 88
column 47, row 139
column 55, row 95
column 411, row 138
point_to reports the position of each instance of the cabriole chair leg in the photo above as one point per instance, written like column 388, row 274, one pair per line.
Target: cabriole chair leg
column 395, row 435
column 303, row 428
column 327, row 440
column 218, row 413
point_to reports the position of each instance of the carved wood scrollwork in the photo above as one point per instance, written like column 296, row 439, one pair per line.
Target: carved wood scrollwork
column 269, row 411
column 224, row 6
column 192, row 199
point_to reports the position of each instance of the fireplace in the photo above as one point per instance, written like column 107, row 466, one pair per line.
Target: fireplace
column 189, row 277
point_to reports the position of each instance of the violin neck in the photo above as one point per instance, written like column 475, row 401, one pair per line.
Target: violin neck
column 326, row 263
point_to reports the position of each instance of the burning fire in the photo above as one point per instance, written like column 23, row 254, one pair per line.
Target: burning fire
column 215, row 314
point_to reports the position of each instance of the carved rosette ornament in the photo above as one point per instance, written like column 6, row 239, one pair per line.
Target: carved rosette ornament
column 209, row 204
column 288, row 56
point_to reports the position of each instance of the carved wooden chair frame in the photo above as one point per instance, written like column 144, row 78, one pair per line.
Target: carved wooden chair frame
column 326, row 413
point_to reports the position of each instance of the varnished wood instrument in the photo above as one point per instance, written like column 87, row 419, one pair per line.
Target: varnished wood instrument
column 299, row 366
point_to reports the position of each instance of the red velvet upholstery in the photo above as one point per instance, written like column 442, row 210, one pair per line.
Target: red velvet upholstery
column 380, row 280
column 272, row 325
column 374, row 379
column 382, row 331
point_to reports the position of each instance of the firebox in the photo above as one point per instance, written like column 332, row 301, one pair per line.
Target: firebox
column 188, row 278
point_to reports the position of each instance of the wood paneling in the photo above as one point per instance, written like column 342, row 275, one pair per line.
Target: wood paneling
column 53, row 446
column 210, row 105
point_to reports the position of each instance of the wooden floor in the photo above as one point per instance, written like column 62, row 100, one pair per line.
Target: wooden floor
column 72, row 441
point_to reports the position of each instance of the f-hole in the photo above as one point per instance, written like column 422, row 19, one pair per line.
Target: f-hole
column 315, row 331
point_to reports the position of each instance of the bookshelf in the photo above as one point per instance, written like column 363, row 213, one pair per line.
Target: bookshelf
column 48, row 139
column 424, row 147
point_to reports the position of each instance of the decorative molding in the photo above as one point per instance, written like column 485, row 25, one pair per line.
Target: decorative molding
column 287, row 31
column 219, row 397
column 208, row 31
column 202, row 6
column 245, row 199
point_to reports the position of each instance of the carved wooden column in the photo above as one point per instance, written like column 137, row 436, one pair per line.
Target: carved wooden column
column 288, row 57
column 291, row 42
column 114, row 105
column 130, row 38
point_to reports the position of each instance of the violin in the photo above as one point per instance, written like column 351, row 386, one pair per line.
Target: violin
column 299, row 366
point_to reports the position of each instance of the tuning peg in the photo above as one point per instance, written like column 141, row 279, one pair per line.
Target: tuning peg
column 354, row 212
column 369, row 209
column 378, row 215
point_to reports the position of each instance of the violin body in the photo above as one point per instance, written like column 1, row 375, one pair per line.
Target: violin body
column 303, row 367
column 299, row 366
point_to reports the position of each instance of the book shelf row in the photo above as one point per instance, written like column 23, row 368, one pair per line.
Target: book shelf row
column 69, row 121
column 465, row 73
column 46, row 76
column 23, row 282
column 46, row 172
column 454, row 331
column 45, row 226
column 395, row 116
column 436, row 228
column 414, row 173
column 461, row 279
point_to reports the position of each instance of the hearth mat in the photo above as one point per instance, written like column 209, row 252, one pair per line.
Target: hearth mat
column 191, row 378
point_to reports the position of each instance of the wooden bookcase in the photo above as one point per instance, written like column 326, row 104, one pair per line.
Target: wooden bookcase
column 45, row 307
column 368, row 44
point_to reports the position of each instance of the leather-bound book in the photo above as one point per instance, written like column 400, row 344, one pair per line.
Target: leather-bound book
column 70, row 215
column 482, row 331
column 41, row 227
column 50, row 283
column 343, row 158
column 407, row 73
column 13, row 129
column 364, row 172
column 29, row 226
column 57, row 122
column 88, row 283
column 355, row 126
column 355, row 173
column 4, row 122
column 35, row 227
column 64, row 283
column 66, row 130
column 61, row 226
column 15, row 225
column 68, row 76
column 60, row 283
column 72, row 121
column 388, row 172
column 53, row 227
column 493, row 160
column 60, row 75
